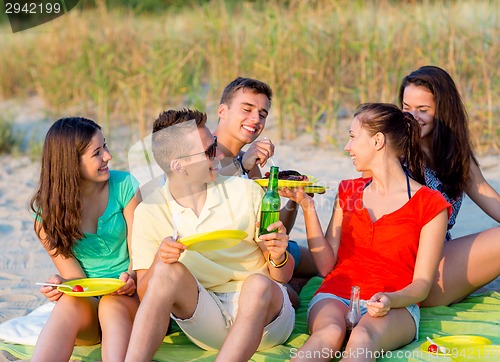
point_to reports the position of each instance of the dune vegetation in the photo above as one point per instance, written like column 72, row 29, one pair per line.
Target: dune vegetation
column 322, row 58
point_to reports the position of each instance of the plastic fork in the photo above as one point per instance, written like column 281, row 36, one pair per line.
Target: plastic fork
column 270, row 158
column 56, row 285
column 59, row 285
column 175, row 222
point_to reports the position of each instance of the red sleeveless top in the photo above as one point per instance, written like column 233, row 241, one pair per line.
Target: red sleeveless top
column 379, row 256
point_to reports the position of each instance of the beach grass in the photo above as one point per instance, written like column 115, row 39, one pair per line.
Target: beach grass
column 11, row 138
column 322, row 58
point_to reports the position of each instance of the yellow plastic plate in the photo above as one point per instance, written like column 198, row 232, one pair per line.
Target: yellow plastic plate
column 455, row 343
column 478, row 354
column 288, row 183
column 213, row 240
column 315, row 189
column 95, row 286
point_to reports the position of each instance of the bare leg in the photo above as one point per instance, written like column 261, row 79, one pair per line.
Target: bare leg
column 260, row 302
column 389, row 332
column 307, row 267
column 171, row 288
column 468, row 263
column 116, row 315
column 305, row 271
column 293, row 295
column 327, row 324
column 73, row 321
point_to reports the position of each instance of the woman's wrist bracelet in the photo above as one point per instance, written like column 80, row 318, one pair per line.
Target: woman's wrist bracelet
column 280, row 265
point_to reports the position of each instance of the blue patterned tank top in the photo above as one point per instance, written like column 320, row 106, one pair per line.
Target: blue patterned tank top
column 434, row 183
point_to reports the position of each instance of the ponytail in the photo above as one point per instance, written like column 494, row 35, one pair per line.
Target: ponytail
column 413, row 156
column 401, row 130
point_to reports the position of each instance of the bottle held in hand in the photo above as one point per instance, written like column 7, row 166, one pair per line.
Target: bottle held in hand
column 354, row 314
column 271, row 203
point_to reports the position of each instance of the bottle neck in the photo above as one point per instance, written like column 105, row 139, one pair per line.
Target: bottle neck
column 355, row 295
column 272, row 185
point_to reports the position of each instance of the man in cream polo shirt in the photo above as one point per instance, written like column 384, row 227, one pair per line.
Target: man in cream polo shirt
column 231, row 299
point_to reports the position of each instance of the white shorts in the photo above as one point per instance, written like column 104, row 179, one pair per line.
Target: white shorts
column 215, row 313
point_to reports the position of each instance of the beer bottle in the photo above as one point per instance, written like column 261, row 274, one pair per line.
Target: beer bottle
column 271, row 203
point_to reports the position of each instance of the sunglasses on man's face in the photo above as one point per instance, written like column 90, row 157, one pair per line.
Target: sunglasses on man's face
column 210, row 152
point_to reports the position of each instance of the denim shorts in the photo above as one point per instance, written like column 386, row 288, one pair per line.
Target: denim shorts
column 294, row 250
column 413, row 309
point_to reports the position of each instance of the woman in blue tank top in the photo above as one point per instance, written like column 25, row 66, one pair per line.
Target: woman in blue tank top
column 471, row 261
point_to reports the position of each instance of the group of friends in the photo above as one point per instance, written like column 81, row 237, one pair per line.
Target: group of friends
column 389, row 231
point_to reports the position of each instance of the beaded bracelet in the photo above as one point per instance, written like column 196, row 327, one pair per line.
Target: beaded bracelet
column 280, row 265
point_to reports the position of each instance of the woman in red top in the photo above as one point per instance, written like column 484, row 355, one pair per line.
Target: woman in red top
column 385, row 235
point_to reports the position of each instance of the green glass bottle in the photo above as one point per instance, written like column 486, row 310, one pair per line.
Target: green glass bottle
column 271, row 203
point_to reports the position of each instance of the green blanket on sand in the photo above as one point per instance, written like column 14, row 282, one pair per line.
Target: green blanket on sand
column 476, row 315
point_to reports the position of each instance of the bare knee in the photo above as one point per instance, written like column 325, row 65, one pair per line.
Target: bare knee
column 110, row 302
column 87, row 323
column 168, row 277
column 331, row 335
column 85, row 308
column 118, row 305
column 260, row 286
column 361, row 337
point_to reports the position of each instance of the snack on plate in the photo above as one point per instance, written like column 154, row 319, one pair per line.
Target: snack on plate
column 290, row 175
column 77, row 288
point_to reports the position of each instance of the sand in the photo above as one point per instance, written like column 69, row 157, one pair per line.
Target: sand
column 23, row 261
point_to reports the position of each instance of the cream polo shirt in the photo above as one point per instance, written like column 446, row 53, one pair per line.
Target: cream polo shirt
column 232, row 203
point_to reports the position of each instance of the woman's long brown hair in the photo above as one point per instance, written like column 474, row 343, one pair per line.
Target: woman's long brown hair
column 57, row 201
column 451, row 146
